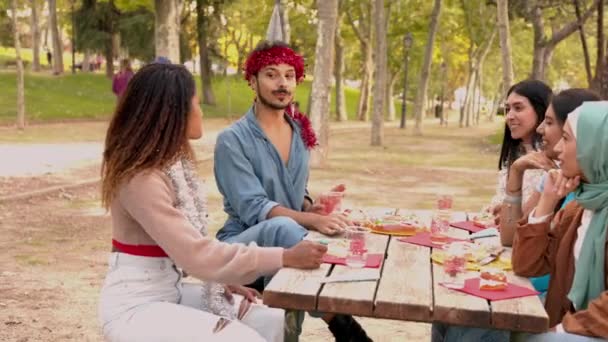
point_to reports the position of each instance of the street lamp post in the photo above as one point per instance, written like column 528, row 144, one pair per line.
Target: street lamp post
column 407, row 43
column 73, row 39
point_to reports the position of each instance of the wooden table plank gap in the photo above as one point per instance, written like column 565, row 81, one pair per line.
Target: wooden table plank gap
column 432, row 284
column 331, row 268
column 390, row 240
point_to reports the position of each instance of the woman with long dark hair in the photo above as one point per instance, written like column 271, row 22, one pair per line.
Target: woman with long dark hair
column 527, row 102
column 525, row 109
column 159, row 227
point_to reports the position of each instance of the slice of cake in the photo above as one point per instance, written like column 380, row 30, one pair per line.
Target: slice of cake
column 492, row 279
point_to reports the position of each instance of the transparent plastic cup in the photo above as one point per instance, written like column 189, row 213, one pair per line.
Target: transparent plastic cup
column 439, row 231
column 357, row 251
column 441, row 220
column 331, row 201
column 444, row 202
column 454, row 265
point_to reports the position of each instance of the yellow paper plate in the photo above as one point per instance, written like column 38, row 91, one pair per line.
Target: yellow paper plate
column 501, row 263
column 395, row 232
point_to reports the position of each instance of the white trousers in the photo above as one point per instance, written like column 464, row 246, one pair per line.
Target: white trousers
column 144, row 299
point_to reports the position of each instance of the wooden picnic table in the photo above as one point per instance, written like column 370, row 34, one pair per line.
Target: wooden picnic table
column 408, row 289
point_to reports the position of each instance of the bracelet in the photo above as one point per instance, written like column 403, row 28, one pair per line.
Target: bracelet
column 307, row 197
column 512, row 199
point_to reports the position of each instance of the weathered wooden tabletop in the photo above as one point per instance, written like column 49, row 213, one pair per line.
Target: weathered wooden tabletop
column 408, row 290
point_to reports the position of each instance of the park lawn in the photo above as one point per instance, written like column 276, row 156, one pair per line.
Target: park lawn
column 234, row 97
column 87, row 96
column 57, row 98
column 76, row 132
column 7, row 54
column 496, row 138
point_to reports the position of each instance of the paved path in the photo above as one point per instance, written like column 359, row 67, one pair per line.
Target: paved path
column 19, row 160
column 30, row 160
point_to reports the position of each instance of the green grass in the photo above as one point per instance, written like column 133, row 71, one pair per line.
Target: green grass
column 87, row 96
column 57, row 98
column 234, row 97
column 496, row 138
column 8, row 54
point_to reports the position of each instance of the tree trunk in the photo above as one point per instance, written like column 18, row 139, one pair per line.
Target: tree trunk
column 390, row 78
column 468, row 97
column 601, row 46
column 543, row 47
column 471, row 109
column 601, row 72
column 538, row 63
column 426, row 67
column 86, row 65
column 20, row 76
column 464, row 106
column 35, row 37
column 505, row 45
column 366, row 84
column 341, row 114
column 581, row 32
column 392, row 111
column 379, row 90
column 319, row 102
column 482, row 59
column 603, row 83
column 239, row 62
column 480, row 92
column 108, row 54
column 364, row 31
column 361, row 115
column 443, row 117
column 498, row 96
column 45, row 35
column 225, row 62
column 167, row 25
column 285, row 22
column 547, row 56
column 57, row 45
column 109, row 46
column 202, row 26
column 478, row 96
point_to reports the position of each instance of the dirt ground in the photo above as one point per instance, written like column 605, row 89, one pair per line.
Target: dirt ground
column 54, row 247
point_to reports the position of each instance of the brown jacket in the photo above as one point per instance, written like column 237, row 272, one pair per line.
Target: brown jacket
column 538, row 250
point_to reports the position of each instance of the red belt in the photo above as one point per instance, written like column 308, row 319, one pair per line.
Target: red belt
column 140, row 250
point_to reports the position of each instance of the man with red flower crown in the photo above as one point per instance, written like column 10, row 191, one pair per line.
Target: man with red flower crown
column 261, row 167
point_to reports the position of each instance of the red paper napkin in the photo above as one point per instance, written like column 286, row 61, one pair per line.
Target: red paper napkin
column 424, row 239
column 471, row 286
column 373, row 260
column 468, row 225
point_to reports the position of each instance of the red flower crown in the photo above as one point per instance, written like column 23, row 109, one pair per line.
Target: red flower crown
column 274, row 56
column 283, row 55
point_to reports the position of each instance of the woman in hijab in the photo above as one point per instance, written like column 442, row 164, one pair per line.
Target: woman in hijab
column 571, row 245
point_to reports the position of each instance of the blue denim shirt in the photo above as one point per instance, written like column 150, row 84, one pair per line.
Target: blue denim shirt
column 252, row 177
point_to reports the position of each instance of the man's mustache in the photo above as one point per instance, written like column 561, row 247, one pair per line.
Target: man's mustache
column 281, row 91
